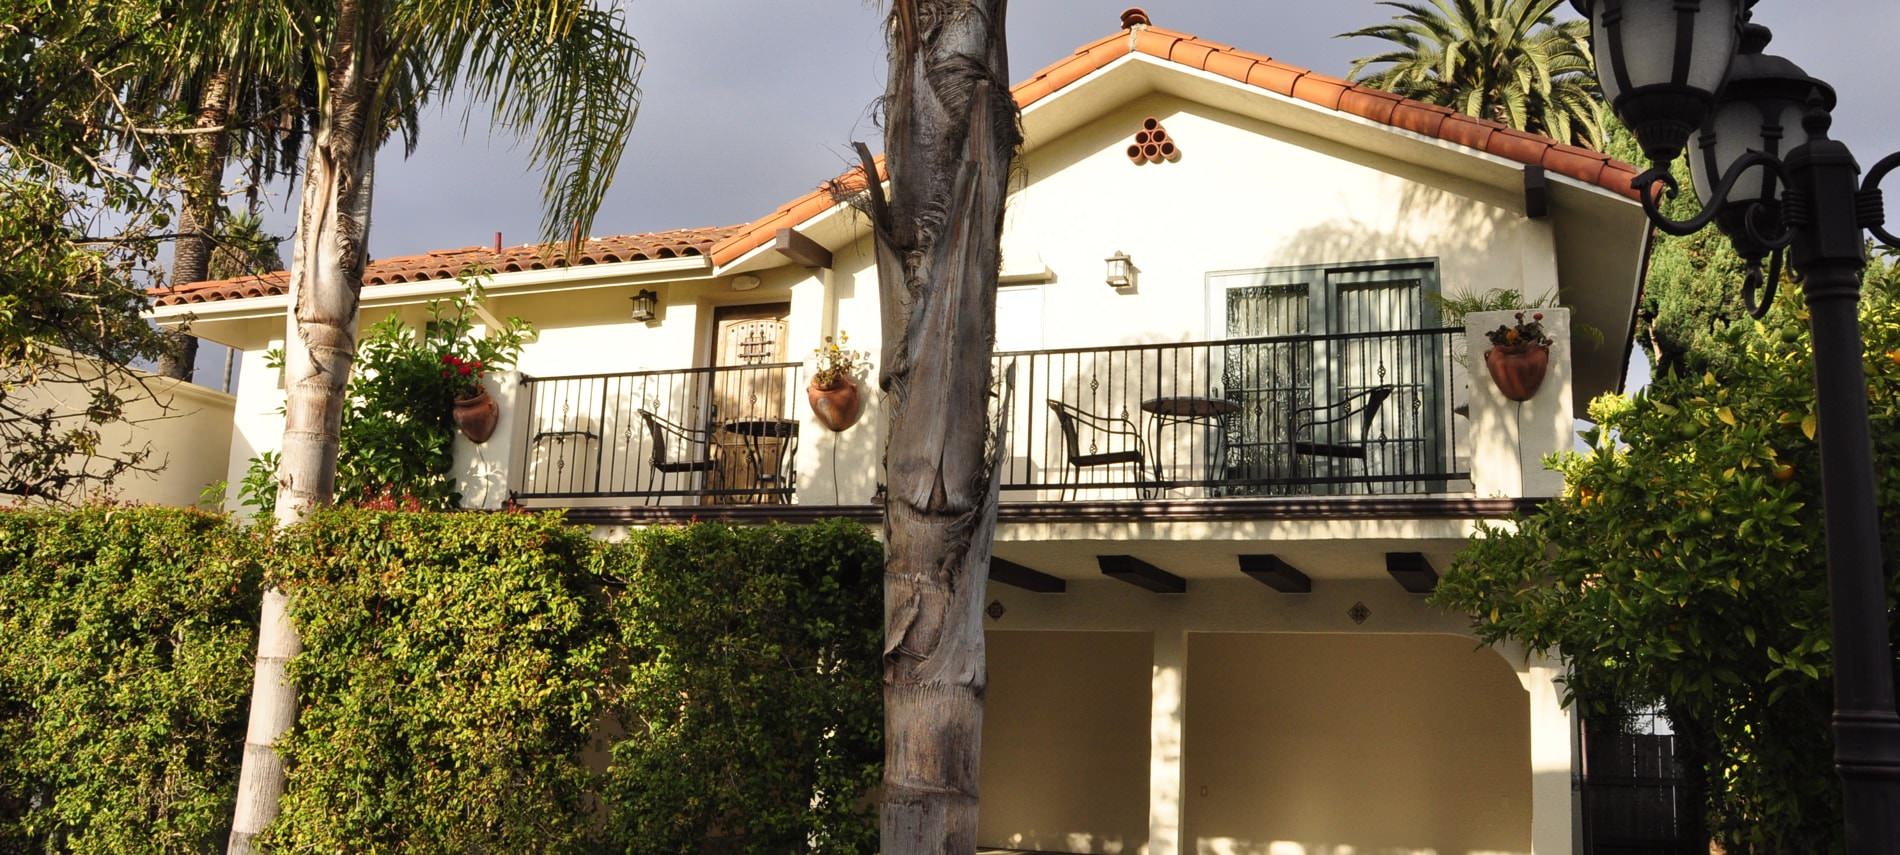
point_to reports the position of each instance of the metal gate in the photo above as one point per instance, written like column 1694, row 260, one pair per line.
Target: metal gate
column 1637, row 798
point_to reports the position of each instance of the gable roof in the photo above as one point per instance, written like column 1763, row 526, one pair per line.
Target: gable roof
column 1260, row 72
column 727, row 244
column 449, row 263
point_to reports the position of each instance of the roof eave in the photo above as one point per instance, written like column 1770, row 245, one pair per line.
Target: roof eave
column 515, row 283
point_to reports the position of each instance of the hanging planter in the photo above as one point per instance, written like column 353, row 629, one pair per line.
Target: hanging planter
column 1519, row 357
column 833, row 392
column 837, row 406
column 476, row 416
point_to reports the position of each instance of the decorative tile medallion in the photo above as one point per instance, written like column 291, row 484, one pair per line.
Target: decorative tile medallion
column 1359, row 613
column 996, row 610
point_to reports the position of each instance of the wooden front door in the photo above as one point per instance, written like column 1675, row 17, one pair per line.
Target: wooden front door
column 750, row 401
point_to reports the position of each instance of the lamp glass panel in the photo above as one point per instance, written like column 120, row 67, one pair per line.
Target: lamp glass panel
column 1648, row 31
column 1739, row 129
column 1717, row 35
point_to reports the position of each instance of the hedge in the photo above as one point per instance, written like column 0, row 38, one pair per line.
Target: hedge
column 754, row 696
column 451, row 671
column 124, row 677
column 469, row 683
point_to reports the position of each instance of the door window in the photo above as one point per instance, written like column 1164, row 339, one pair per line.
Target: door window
column 1315, row 337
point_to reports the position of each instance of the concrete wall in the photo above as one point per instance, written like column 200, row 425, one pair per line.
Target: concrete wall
column 1308, row 744
column 186, row 426
column 1065, row 742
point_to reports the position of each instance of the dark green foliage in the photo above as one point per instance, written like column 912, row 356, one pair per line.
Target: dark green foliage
column 455, row 670
column 396, row 442
column 1686, row 564
column 80, row 228
column 1510, row 61
column 396, row 436
column 753, row 704
column 451, row 672
column 1693, row 289
column 123, row 678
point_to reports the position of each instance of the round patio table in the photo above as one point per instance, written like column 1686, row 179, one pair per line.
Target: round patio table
column 1174, row 410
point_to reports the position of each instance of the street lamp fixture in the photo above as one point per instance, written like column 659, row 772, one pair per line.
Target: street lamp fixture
column 1662, row 63
column 1688, row 74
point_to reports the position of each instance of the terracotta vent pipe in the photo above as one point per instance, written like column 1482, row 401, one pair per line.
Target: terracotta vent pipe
column 1134, row 17
column 498, row 243
column 1152, row 144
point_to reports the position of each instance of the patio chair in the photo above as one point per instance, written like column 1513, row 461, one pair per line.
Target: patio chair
column 677, row 450
column 1111, row 441
column 1335, row 431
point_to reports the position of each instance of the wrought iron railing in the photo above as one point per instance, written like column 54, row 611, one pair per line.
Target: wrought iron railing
column 1311, row 414
column 694, row 435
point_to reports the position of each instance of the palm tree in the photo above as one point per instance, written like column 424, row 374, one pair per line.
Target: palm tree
column 561, row 71
column 1510, row 61
column 261, row 116
column 950, row 135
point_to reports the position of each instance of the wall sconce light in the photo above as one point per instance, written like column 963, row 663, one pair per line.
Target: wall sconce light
column 1121, row 270
column 645, row 303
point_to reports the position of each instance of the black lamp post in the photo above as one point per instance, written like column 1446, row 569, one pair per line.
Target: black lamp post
column 1691, row 73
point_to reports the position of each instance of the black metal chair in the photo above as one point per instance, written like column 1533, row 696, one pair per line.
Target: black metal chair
column 1335, row 431
column 677, row 450
column 1112, row 441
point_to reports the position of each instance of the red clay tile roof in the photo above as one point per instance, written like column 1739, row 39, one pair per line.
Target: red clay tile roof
column 448, row 263
column 727, row 244
column 1261, row 72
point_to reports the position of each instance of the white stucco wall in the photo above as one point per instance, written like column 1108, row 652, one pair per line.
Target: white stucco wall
column 186, row 427
column 1245, row 195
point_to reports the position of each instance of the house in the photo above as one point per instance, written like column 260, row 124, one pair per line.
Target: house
column 1241, row 441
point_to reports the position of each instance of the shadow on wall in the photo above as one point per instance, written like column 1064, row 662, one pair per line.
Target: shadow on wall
column 1224, row 846
column 1311, row 744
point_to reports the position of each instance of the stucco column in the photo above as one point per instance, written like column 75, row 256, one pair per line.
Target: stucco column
column 1509, row 439
column 485, row 472
column 1167, row 734
column 1553, row 759
column 811, row 320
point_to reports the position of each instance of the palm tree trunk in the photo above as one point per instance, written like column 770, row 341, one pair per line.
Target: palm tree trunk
column 197, row 213
column 326, row 279
column 950, row 135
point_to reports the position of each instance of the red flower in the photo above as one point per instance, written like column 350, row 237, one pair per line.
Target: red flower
column 465, row 368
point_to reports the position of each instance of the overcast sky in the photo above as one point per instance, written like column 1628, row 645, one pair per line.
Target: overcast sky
column 749, row 103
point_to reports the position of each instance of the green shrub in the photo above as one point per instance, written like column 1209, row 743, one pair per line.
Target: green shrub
column 451, row 674
column 753, row 702
column 124, row 676
column 454, row 669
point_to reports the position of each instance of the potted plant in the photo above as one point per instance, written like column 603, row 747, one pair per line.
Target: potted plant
column 475, row 412
column 466, row 358
column 1519, row 356
column 833, row 391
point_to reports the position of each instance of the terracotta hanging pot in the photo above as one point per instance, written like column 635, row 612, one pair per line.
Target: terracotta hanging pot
column 476, row 416
column 1518, row 369
column 837, row 406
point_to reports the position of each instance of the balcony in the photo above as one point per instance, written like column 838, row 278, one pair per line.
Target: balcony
column 1346, row 414
column 726, row 435
column 1313, row 415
